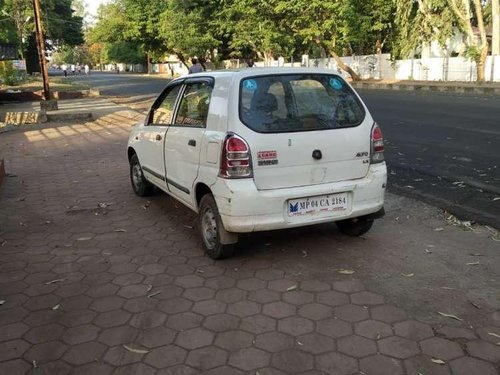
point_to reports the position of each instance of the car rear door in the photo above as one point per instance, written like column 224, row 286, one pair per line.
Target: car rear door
column 184, row 138
column 302, row 134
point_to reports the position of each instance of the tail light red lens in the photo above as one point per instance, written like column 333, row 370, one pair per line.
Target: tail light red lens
column 236, row 144
column 377, row 145
column 235, row 158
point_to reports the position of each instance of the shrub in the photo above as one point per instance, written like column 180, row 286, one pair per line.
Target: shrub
column 8, row 75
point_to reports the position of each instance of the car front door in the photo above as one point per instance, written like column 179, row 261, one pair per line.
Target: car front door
column 152, row 138
column 184, row 138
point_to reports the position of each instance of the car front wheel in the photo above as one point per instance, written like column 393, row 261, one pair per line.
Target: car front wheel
column 210, row 225
column 140, row 185
column 356, row 226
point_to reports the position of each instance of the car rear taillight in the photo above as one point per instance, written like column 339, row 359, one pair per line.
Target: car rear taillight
column 236, row 159
column 377, row 145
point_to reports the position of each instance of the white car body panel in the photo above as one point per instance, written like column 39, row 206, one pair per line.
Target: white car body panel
column 260, row 203
column 182, row 161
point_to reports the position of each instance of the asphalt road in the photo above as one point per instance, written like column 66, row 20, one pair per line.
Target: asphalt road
column 123, row 84
column 443, row 148
column 440, row 147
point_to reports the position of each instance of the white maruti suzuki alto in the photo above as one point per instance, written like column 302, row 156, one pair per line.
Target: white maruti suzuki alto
column 261, row 149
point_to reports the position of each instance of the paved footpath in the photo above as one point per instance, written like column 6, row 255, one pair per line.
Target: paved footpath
column 94, row 280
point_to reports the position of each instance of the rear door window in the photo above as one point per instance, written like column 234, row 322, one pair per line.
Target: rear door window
column 298, row 102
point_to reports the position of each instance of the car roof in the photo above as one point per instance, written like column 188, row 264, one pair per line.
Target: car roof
column 252, row 72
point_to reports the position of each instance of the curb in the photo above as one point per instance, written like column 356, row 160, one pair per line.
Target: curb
column 423, row 87
column 68, row 116
column 29, row 96
column 13, row 120
column 22, row 117
column 463, row 213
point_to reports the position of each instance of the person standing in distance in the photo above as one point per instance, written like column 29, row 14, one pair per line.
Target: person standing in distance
column 195, row 67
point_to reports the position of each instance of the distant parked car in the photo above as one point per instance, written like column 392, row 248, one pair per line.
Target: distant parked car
column 262, row 149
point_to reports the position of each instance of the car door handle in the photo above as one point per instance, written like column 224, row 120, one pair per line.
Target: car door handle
column 158, row 137
column 192, row 142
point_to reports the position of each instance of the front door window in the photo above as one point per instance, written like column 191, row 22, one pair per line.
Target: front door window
column 164, row 113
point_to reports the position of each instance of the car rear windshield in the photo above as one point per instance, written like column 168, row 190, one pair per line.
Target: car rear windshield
column 298, row 102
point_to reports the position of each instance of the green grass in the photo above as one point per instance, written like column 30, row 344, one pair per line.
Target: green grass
column 55, row 83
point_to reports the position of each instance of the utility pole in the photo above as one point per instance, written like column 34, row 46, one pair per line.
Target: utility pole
column 49, row 104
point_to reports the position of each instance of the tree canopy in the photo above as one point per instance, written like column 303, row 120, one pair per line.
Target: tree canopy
column 143, row 30
column 62, row 27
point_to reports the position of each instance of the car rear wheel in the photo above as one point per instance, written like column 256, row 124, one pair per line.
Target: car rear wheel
column 355, row 227
column 140, row 185
column 210, row 225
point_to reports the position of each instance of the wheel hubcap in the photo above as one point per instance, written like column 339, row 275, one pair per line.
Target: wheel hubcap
column 209, row 228
column 137, row 176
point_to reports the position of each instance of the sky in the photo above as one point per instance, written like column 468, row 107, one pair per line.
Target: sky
column 92, row 5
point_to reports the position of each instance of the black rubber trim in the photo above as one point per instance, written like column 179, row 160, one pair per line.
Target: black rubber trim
column 176, row 185
column 157, row 175
column 169, row 181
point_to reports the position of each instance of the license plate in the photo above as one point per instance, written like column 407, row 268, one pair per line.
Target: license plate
column 321, row 203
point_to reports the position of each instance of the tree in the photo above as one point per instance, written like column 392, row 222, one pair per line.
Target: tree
column 8, row 33
column 256, row 26
column 134, row 21
column 72, row 55
column 469, row 15
column 186, row 29
column 331, row 25
column 420, row 23
column 123, row 52
column 377, row 29
column 111, row 24
column 96, row 54
column 143, row 26
column 13, row 28
column 495, row 40
column 61, row 26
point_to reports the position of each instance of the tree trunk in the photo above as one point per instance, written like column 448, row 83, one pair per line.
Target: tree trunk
column 484, row 42
column 495, row 40
column 481, row 64
column 148, row 57
column 338, row 60
column 260, row 55
column 344, row 67
column 182, row 58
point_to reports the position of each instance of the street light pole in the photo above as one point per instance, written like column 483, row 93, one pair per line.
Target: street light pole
column 41, row 51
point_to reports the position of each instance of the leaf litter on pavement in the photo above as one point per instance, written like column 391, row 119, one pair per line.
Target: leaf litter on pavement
column 451, row 316
column 438, row 361
column 137, row 351
column 408, row 274
column 469, row 225
column 345, row 272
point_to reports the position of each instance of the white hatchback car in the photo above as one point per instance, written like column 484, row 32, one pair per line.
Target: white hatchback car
column 261, row 149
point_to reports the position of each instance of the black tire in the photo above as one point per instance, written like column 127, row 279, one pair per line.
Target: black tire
column 210, row 223
column 140, row 185
column 355, row 227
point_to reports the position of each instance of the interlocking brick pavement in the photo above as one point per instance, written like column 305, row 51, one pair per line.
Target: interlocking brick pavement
column 98, row 281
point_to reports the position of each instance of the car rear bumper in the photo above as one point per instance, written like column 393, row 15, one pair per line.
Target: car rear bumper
column 243, row 208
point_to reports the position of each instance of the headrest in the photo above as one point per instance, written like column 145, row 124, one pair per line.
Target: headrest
column 265, row 103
